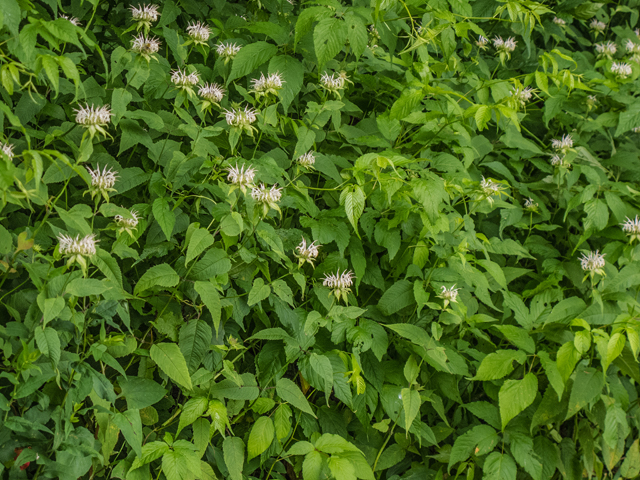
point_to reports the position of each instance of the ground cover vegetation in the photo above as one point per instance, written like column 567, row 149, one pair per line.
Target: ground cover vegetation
column 279, row 240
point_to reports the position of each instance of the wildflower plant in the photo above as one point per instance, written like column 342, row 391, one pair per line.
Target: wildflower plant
column 145, row 16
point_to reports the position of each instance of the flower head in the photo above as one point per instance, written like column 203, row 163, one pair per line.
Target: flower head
column 307, row 160
column 7, row 149
column 199, row 32
column 182, row 79
column 559, row 161
column 102, row 182
column 241, row 118
column 490, row 188
column 632, row 228
column 307, row 253
column 228, row 50
column 635, row 129
column 124, row 224
column 563, row 145
column 597, row 25
column 144, row 45
column 592, row 101
column 241, row 177
column 77, row 249
column 593, row 263
column 449, row 295
column 268, row 198
column 213, row 92
column 482, row 42
column 270, row 84
column 145, row 15
column 73, row 20
column 606, row 49
column 530, row 204
column 93, row 118
column 333, row 83
column 631, row 46
column 559, row 21
column 521, row 96
column 620, row 69
column 339, row 283
column 504, row 48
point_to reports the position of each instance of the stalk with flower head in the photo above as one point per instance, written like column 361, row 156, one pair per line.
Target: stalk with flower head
column 267, row 86
column 211, row 94
column 632, row 228
column 145, row 46
column 145, row 15
column 94, row 119
column 127, row 223
column 593, row 263
column 267, row 198
column 504, row 48
column 307, row 253
column 77, row 250
column 340, row 284
column 102, row 182
column 449, row 295
column 490, row 188
column 241, row 177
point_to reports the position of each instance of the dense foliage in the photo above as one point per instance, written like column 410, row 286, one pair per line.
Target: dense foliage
column 272, row 240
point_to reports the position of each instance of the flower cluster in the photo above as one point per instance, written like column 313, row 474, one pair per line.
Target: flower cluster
column 333, row 83
column 530, row 205
column 73, row 20
column 307, row 253
column 593, row 263
column 597, row 26
column 521, row 96
column 93, row 118
column 307, row 160
column 559, row 21
column 182, row 79
column 563, row 144
column 241, row 118
column 268, row 198
column 102, row 182
column 227, row 51
column 145, row 15
column 199, row 33
column 145, row 46
column 127, row 224
column 241, row 177
column 7, row 149
column 620, row 69
column 635, row 129
column 632, row 228
column 212, row 93
column 270, row 84
column 449, row 295
column 482, row 42
column 340, row 284
column 490, row 188
column 77, row 249
column 607, row 49
column 504, row 48
column 592, row 101
column 632, row 47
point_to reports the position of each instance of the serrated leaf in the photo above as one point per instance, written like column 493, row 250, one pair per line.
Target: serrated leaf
column 211, row 299
column 157, row 276
column 171, row 361
column 329, row 37
column 261, row 436
column 200, row 240
column 289, row 392
column 516, row 395
column 164, row 215
column 251, row 57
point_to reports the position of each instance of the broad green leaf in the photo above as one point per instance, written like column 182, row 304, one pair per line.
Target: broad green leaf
column 171, row 361
column 161, row 275
column 261, row 436
column 353, row 199
column 48, row 343
column 289, row 392
column 329, row 37
column 130, row 425
column 141, row 392
column 181, row 462
column 200, row 240
column 411, row 403
column 553, row 374
column 195, row 339
column 191, row 411
column 499, row 466
column 322, row 366
column 164, row 215
column 516, row 395
column 482, row 437
column 211, row 299
column 499, row 364
column 251, row 57
column 233, row 451
column 587, row 386
column 258, row 292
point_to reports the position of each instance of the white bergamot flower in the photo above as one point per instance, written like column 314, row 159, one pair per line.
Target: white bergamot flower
column 268, row 198
column 593, row 263
column 563, row 145
column 145, row 15
column 93, row 118
column 77, row 249
column 607, row 49
column 632, row 228
column 227, row 50
column 241, row 118
column 74, row 21
column 125, row 224
column 490, row 188
column 622, row 70
column 213, row 92
column 182, row 79
column 199, row 32
column 7, row 149
column 307, row 160
column 530, row 204
column 597, row 26
column 482, row 42
column 241, row 177
column 102, row 182
column 307, row 253
column 521, row 96
column 339, row 283
column 635, row 129
column 559, row 21
column 270, row 84
column 631, row 46
column 449, row 295
column 145, row 46
column 334, row 83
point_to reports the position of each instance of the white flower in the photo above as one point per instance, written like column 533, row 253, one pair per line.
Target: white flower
column 597, row 25
column 145, row 45
column 307, row 160
column 307, row 253
column 635, row 129
column 262, row 195
column 85, row 246
column 241, row 177
column 240, row 118
column 332, row 83
column 7, row 149
column 265, row 85
column 558, row 161
column 607, row 49
column 530, row 204
column 127, row 224
column 592, row 100
column 145, row 14
column 559, row 21
column 593, row 262
column 482, row 42
column 199, row 32
column 521, row 95
column 564, row 144
column 632, row 227
column 213, row 92
column 89, row 116
column 228, row 50
column 73, row 20
column 489, row 189
column 182, row 79
column 631, row 46
column 102, row 182
column 508, row 45
column 339, row 283
column 622, row 70
column 449, row 295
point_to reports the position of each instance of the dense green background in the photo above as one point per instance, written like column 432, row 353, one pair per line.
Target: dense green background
column 197, row 347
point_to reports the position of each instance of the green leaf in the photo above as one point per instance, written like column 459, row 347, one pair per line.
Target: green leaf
column 141, row 392
column 282, row 290
column 251, row 57
column 322, row 366
column 170, row 360
column 228, row 389
column 499, row 466
column 516, row 395
column 630, row 468
column 587, row 386
column 553, row 374
column 130, row 425
column 495, row 270
column 567, row 358
column 48, row 343
column 397, row 297
column 518, row 336
column 282, row 420
column 161, row 275
column 182, row 462
column 258, row 292
column 483, row 437
column 261, row 436
column 150, row 451
column 289, row 392
column 499, row 364
column 164, row 215
column 342, row 468
column 356, row 33
column 353, row 199
column 84, row 287
column 211, row 299
column 329, row 37
column 195, row 339
column 191, row 411
column 200, row 240
column 312, row 466
column 233, row 452
column 119, row 101
column 408, row 101
column 411, row 403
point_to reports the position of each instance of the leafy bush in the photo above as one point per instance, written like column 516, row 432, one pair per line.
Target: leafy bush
column 303, row 241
